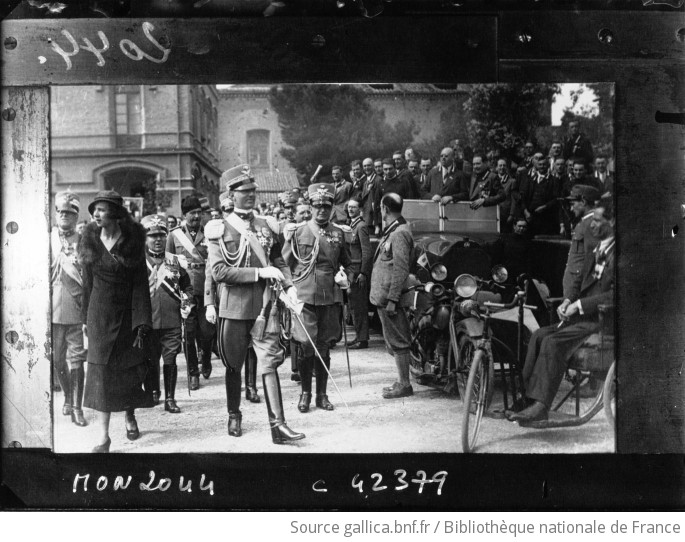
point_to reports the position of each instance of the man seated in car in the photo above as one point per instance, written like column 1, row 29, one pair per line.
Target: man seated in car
column 551, row 347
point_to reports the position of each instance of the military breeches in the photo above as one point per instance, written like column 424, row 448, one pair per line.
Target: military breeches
column 359, row 306
column 322, row 322
column 67, row 346
column 164, row 343
column 549, row 352
column 198, row 330
column 234, row 340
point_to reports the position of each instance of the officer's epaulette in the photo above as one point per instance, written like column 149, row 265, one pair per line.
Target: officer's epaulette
column 214, row 229
column 290, row 227
column 343, row 227
column 272, row 223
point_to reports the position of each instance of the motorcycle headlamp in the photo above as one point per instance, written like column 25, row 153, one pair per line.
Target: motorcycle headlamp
column 465, row 285
column 439, row 272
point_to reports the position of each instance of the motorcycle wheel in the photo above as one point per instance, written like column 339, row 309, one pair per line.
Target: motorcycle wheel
column 609, row 396
column 476, row 399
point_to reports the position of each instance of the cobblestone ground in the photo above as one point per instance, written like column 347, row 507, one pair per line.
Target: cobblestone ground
column 429, row 421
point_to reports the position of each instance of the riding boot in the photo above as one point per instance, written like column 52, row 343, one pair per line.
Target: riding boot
column 170, row 375
column 233, row 379
column 306, row 367
column 151, row 383
column 77, row 378
column 321, row 383
column 251, row 376
column 280, row 432
column 65, row 384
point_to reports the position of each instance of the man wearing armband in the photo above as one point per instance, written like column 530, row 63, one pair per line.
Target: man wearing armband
column 245, row 258
column 171, row 295
column 314, row 251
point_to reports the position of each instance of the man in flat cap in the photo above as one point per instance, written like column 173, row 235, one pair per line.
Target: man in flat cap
column 189, row 242
column 67, row 298
column 245, row 258
column 171, row 293
column 315, row 251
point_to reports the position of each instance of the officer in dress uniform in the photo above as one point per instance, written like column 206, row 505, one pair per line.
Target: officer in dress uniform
column 314, row 251
column 170, row 295
column 359, row 246
column 67, row 297
column 245, row 258
column 189, row 242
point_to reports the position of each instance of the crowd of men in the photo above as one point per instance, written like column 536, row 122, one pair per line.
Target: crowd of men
column 220, row 278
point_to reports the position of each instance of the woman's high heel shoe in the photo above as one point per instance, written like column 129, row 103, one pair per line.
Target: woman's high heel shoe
column 103, row 448
column 134, row 433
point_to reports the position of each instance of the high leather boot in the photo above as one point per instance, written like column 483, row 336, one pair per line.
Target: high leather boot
column 321, row 384
column 280, row 432
column 306, row 367
column 151, row 382
column 206, row 369
column 235, row 417
column 77, row 379
column 251, row 377
column 170, row 376
column 65, row 384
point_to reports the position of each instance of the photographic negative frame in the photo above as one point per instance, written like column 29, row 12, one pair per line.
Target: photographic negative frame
column 642, row 58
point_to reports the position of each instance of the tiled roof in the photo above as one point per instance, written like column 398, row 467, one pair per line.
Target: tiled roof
column 275, row 182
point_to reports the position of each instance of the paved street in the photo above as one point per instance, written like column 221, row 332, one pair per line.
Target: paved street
column 427, row 422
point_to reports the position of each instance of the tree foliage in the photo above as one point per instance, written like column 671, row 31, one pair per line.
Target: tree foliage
column 333, row 124
column 596, row 120
column 503, row 117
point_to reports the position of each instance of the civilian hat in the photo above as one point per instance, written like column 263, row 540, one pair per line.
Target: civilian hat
column 109, row 196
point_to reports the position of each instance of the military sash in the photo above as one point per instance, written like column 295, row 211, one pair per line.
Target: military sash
column 190, row 247
column 163, row 277
column 66, row 264
column 251, row 238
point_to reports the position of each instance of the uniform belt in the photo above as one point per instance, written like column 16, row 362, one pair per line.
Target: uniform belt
column 195, row 265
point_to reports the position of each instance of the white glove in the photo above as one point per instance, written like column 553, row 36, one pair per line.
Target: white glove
column 210, row 314
column 270, row 273
column 341, row 279
column 292, row 294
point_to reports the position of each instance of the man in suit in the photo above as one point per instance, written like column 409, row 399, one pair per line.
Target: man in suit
column 583, row 241
column 314, row 251
column 507, row 183
column 400, row 183
column 577, row 145
column 357, row 178
column 190, row 244
column 392, row 262
column 485, row 189
column 371, row 179
column 343, row 191
column 445, row 183
column 168, row 282
column 68, row 351
column 537, row 199
column 245, row 257
column 357, row 240
column 425, row 167
column 551, row 347
column 603, row 177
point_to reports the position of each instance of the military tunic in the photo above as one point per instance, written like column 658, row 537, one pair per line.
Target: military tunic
column 357, row 239
column 583, row 242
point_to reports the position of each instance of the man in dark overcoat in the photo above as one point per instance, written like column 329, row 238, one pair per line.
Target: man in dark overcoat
column 189, row 242
column 315, row 251
column 245, row 257
column 357, row 240
column 68, row 352
column 391, row 266
column 551, row 347
column 445, row 182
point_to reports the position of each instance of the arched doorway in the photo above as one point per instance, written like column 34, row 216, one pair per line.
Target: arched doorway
column 134, row 182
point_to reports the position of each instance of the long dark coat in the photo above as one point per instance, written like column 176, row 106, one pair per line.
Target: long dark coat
column 116, row 300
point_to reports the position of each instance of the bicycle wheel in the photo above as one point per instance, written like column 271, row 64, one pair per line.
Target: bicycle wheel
column 462, row 363
column 476, row 399
column 610, row 395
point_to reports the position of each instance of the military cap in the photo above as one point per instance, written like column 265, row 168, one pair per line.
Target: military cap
column 238, row 178
column 580, row 192
column 226, row 201
column 67, row 201
column 154, row 224
column 191, row 203
column 108, row 196
column 290, row 201
column 321, row 193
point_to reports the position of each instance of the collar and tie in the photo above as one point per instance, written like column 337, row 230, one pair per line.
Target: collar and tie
column 244, row 215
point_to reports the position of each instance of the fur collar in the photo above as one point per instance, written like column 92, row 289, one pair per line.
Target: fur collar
column 130, row 247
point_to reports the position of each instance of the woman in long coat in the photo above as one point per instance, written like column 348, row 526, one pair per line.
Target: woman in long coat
column 117, row 313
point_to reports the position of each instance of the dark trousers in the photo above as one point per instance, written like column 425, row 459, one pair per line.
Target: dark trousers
column 549, row 352
column 164, row 343
column 359, row 307
column 199, row 332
